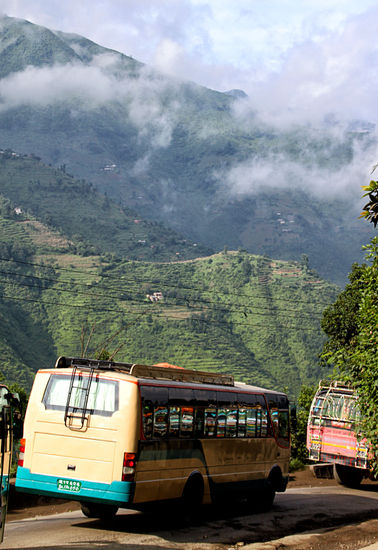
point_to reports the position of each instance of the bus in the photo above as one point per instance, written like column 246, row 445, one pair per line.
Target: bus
column 331, row 433
column 8, row 402
column 119, row 435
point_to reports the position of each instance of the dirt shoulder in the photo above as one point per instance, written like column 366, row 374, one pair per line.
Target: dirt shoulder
column 23, row 505
column 356, row 536
column 352, row 536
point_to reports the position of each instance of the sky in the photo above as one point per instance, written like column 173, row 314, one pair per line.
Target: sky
column 298, row 61
column 222, row 44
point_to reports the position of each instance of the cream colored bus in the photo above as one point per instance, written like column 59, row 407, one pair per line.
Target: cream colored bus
column 117, row 435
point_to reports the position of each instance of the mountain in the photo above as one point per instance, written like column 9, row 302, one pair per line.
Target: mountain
column 90, row 222
column 234, row 312
column 174, row 152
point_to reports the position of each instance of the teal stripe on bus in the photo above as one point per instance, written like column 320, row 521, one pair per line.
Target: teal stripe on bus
column 117, row 493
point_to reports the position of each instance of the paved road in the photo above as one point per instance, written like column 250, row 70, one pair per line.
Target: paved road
column 295, row 511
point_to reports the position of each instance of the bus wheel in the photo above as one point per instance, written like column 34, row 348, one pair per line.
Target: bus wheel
column 99, row 511
column 192, row 498
column 347, row 475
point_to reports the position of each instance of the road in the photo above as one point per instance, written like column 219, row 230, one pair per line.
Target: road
column 296, row 511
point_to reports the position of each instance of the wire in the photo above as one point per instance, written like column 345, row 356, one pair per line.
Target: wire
column 206, row 321
column 244, row 309
column 170, row 285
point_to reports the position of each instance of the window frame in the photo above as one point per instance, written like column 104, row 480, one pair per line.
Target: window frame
column 209, row 407
column 98, row 412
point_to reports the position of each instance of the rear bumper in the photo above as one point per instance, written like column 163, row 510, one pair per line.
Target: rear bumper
column 117, row 493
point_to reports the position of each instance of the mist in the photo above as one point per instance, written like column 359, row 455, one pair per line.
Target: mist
column 327, row 87
column 278, row 171
column 322, row 85
column 94, row 86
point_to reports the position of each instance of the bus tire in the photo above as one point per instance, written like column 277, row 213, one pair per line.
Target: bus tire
column 98, row 511
column 192, row 497
column 347, row 475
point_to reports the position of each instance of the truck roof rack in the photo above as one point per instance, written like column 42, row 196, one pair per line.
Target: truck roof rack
column 147, row 371
column 335, row 385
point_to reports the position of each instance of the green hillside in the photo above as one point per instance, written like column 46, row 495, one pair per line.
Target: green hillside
column 90, row 222
column 166, row 148
column 233, row 312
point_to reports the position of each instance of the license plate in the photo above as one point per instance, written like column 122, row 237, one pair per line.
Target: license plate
column 68, row 485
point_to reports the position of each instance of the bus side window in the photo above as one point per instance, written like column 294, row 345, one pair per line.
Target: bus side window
column 242, row 424
column 187, row 421
column 147, row 419
column 275, row 420
column 221, row 422
column 231, row 422
column 258, row 422
column 251, row 422
column 264, row 423
column 160, row 421
column 210, row 418
column 283, row 426
column 199, row 420
column 174, row 421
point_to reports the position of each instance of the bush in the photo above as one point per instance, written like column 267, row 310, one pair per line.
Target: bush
column 296, row 464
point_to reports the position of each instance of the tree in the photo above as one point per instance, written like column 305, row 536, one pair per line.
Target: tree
column 370, row 210
column 351, row 325
column 23, row 397
column 299, row 452
column 304, row 262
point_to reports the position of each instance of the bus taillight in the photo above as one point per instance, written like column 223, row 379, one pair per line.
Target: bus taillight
column 21, row 452
column 128, row 470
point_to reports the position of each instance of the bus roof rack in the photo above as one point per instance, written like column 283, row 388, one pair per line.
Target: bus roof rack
column 148, row 371
column 182, row 375
column 66, row 362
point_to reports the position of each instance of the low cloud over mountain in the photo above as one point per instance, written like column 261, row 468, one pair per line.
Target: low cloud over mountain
column 212, row 166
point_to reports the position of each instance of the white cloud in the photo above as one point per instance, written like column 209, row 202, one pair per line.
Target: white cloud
column 278, row 171
column 337, row 75
column 47, row 85
column 168, row 56
column 93, row 86
column 221, row 43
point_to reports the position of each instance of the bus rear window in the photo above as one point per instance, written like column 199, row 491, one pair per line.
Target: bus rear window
column 102, row 399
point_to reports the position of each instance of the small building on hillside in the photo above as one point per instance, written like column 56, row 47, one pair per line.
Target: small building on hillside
column 155, row 297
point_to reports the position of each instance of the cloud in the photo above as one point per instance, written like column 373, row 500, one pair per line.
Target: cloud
column 48, row 85
column 223, row 44
column 142, row 99
column 327, row 88
column 279, row 171
column 337, row 74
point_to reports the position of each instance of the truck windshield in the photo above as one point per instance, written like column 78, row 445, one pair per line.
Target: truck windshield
column 341, row 407
column 102, row 398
